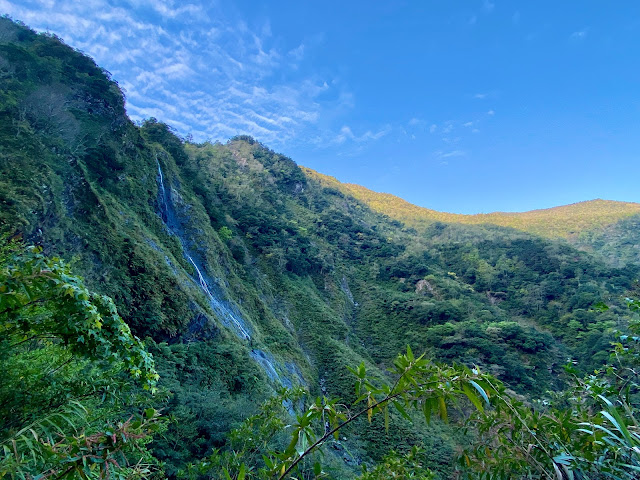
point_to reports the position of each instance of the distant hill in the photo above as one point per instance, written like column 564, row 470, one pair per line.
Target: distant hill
column 567, row 221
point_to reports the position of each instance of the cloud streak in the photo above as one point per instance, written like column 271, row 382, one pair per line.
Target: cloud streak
column 579, row 35
column 449, row 154
column 347, row 134
column 194, row 68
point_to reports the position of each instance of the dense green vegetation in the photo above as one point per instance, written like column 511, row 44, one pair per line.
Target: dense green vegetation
column 588, row 431
column 67, row 405
column 244, row 274
column 567, row 221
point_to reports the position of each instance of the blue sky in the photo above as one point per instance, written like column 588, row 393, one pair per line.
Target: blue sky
column 461, row 106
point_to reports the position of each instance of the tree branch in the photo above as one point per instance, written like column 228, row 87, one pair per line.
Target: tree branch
column 389, row 397
column 335, row 429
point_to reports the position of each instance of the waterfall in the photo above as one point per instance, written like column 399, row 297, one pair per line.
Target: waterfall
column 163, row 194
column 264, row 359
column 224, row 312
column 203, row 283
column 217, row 305
column 161, row 177
column 344, row 286
column 267, row 362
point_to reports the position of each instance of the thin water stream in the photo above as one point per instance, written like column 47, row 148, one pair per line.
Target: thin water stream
column 223, row 310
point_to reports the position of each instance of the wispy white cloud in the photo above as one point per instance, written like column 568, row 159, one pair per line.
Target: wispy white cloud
column 194, row 67
column 579, row 35
column 347, row 134
column 169, row 9
column 344, row 135
column 297, row 53
column 449, row 154
column 481, row 96
column 175, row 71
column 491, row 113
column 488, row 6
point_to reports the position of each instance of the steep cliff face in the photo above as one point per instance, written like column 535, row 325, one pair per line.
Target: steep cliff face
column 247, row 275
column 81, row 179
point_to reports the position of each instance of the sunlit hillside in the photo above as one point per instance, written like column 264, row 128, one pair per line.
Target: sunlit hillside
column 565, row 221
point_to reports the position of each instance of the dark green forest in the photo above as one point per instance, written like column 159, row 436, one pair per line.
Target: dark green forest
column 171, row 309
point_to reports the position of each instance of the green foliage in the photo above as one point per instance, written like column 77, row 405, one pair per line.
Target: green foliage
column 248, row 443
column 59, row 446
column 63, row 351
column 615, row 243
column 215, row 387
column 225, row 233
column 580, row 434
column 418, row 385
column 588, row 431
column 41, row 299
column 399, row 466
column 321, row 280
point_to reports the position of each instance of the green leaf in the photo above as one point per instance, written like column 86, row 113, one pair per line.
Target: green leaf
column 402, row 411
column 442, row 410
column 427, row 410
column 294, row 441
column 410, row 356
column 563, row 459
column 620, row 427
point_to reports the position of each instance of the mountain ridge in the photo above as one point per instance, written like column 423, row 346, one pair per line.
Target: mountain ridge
column 572, row 220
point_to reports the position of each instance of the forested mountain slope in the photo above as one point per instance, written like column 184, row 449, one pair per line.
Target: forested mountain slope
column 589, row 218
column 245, row 274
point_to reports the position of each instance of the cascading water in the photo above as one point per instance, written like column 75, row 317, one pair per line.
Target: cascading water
column 203, row 283
column 167, row 212
column 266, row 361
column 263, row 359
column 224, row 312
column 163, row 193
column 218, row 306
